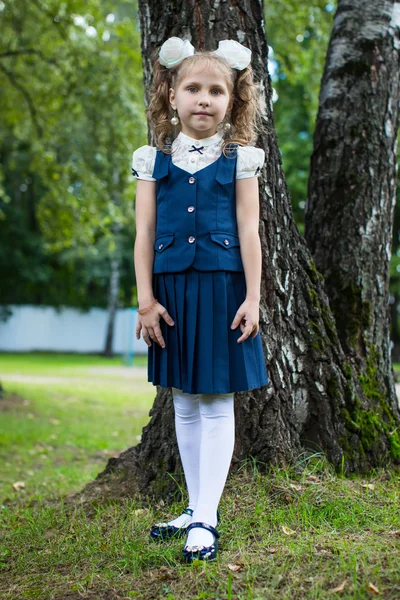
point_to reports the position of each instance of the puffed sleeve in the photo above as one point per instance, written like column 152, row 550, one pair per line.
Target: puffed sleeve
column 143, row 161
column 249, row 162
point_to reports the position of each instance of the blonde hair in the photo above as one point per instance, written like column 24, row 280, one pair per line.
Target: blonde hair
column 246, row 114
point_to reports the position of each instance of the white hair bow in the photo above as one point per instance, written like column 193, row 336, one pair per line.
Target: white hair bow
column 174, row 50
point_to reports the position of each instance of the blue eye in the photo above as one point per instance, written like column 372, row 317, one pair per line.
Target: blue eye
column 192, row 87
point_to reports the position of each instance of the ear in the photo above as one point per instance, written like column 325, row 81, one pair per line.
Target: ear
column 172, row 97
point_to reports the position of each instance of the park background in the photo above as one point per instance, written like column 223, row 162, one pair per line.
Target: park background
column 72, row 112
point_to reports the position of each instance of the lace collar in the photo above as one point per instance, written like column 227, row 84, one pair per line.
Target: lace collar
column 188, row 142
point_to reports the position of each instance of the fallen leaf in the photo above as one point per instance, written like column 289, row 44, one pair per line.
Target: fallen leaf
column 54, row 421
column 19, row 485
column 287, row 530
column 313, row 478
column 165, row 573
column 339, row 588
column 140, row 511
column 370, row 486
column 372, row 588
column 295, row 486
column 50, row 533
column 272, row 549
column 234, row 567
column 396, row 532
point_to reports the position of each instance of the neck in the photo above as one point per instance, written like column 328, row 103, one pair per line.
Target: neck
column 199, row 135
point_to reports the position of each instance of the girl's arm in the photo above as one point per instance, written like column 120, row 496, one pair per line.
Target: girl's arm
column 145, row 237
column 248, row 214
column 144, row 259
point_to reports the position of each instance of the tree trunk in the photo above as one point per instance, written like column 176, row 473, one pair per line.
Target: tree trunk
column 314, row 386
column 352, row 195
column 113, row 294
column 112, row 305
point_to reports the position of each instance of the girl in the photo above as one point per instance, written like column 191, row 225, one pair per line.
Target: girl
column 198, row 263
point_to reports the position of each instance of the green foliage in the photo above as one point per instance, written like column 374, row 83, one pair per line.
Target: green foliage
column 72, row 107
column 72, row 113
column 298, row 35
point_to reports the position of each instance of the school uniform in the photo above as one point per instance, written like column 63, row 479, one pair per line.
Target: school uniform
column 198, row 273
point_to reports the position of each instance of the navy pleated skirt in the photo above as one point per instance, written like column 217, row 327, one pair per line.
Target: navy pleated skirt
column 202, row 355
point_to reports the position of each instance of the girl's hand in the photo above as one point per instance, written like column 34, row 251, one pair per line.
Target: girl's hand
column 150, row 323
column 247, row 317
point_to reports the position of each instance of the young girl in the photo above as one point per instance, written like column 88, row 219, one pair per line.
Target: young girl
column 198, row 263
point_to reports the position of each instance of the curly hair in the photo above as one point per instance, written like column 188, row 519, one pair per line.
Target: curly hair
column 246, row 113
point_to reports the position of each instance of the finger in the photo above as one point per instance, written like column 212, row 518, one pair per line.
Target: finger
column 167, row 317
column 158, row 334
column 246, row 333
column 236, row 320
column 255, row 332
column 138, row 329
column 152, row 334
column 146, row 337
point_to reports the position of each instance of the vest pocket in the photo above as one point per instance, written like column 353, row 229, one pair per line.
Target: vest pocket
column 163, row 241
column 225, row 239
column 224, row 176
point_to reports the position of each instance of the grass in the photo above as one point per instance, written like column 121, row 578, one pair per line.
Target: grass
column 299, row 532
column 63, row 419
column 41, row 362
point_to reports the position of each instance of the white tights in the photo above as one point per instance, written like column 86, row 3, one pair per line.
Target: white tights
column 205, row 430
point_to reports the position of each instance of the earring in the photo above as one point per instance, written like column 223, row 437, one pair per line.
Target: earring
column 174, row 119
column 227, row 126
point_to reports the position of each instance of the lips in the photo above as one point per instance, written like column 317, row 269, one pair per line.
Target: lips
column 203, row 114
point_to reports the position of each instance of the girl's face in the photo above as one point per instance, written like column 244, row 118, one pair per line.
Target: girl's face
column 202, row 100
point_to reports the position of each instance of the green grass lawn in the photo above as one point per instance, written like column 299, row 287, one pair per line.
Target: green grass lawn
column 40, row 362
column 300, row 532
column 58, row 434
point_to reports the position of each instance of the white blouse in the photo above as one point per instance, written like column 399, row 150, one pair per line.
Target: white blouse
column 192, row 155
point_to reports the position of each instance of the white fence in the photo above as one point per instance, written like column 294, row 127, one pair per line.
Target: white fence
column 68, row 330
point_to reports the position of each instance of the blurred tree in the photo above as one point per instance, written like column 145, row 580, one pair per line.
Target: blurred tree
column 71, row 114
column 298, row 36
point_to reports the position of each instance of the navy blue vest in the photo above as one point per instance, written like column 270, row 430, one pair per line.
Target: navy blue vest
column 196, row 216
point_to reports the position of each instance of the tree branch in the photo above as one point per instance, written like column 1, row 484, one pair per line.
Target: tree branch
column 27, row 97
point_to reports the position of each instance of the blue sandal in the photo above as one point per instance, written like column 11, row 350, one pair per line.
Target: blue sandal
column 163, row 531
column 207, row 553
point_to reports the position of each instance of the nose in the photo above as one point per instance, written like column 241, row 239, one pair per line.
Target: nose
column 204, row 101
